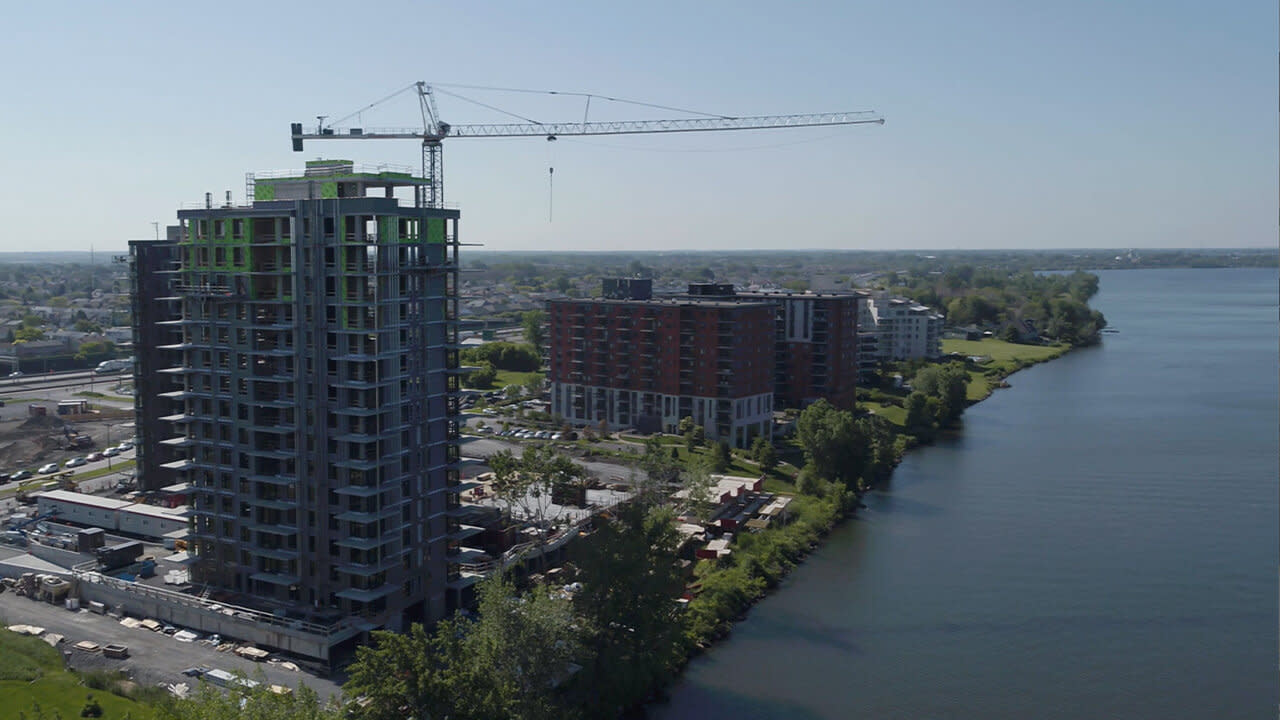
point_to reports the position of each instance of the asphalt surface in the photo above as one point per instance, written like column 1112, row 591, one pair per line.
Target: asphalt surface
column 477, row 447
column 153, row 657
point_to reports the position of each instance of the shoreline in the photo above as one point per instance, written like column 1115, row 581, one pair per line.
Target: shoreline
column 993, row 378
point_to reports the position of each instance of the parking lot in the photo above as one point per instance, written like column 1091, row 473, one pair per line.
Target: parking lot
column 154, row 657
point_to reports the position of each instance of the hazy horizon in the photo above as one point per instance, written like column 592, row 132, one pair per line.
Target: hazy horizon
column 1008, row 126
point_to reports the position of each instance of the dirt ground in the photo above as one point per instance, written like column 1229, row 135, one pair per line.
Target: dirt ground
column 29, row 442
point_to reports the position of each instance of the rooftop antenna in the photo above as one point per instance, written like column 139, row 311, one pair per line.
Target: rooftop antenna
column 156, row 225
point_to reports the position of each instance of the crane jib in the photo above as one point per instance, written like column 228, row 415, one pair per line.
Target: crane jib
column 621, row 127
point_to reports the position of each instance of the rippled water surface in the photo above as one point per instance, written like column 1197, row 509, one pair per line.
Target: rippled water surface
column 1099, row 541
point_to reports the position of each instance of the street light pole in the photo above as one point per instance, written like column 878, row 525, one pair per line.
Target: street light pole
column 108, row 446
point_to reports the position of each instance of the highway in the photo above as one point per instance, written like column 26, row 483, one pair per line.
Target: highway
column 49, row 381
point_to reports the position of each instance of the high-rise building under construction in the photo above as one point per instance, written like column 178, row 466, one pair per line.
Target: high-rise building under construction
column 318, row 394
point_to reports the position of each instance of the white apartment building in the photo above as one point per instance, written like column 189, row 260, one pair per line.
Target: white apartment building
column 904, row 329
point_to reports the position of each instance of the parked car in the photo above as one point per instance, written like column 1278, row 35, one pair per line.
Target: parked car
column 126, row 445
column 111, row 452
column 76, row 462
column 15, row 374
column 21, row 475
column 49, row 469
column 94, row 457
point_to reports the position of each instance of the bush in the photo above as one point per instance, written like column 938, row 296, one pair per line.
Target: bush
column 520, row 357
column 758, row 563
column 482, row 377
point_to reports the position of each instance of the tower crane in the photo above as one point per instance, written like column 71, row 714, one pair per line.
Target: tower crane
column 434, row 131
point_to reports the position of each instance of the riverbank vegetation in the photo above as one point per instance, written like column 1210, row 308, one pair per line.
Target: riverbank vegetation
column 1020, row 305
column 991, row 361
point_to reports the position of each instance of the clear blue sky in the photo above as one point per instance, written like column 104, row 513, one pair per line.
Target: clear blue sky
column 1008, row 124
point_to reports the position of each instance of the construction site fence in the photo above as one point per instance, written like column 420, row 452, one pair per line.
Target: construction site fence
column 87, row 573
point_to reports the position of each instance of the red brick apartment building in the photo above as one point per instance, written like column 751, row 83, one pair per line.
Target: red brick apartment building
column 630, row 359
column 815, row 342
column 816, row 347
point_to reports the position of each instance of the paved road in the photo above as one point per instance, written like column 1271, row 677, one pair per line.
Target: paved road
column 99, row 465
column 153, row 657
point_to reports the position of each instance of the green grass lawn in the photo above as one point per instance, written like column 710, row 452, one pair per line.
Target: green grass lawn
column 116, row 466
column 103, row 396
column 892, row 413
column 1002, row 352
column 31, row 672
column 511, row 377
column 1006, row 359
column 980, row 386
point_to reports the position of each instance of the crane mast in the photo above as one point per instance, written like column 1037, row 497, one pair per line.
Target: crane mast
column 434, row 131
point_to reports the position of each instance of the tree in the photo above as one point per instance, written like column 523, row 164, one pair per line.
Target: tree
column 919, row 422
column 403, row 675
column 256, row 703
column 482, row 377
column 526, row 483
column 884, row 449
column 95, row 351
column 833, row 446
column 533, row 386
column 698, row 435
column 947, row 384
column 697, row 484
column 763, row 452
column 506, row 662
column 686, row 424
column 661, row 472
column 810, row 483
column 505, row 356
column 721, row 457
column 27, row 334
column 517, row 652
column 86, row 326
column 629, row 576
column 534, row 323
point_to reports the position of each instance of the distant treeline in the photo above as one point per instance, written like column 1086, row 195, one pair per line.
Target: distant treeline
column 1053, row 307
column 529, row 265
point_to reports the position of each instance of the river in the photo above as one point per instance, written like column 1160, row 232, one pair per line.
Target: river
column 1100, row 540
